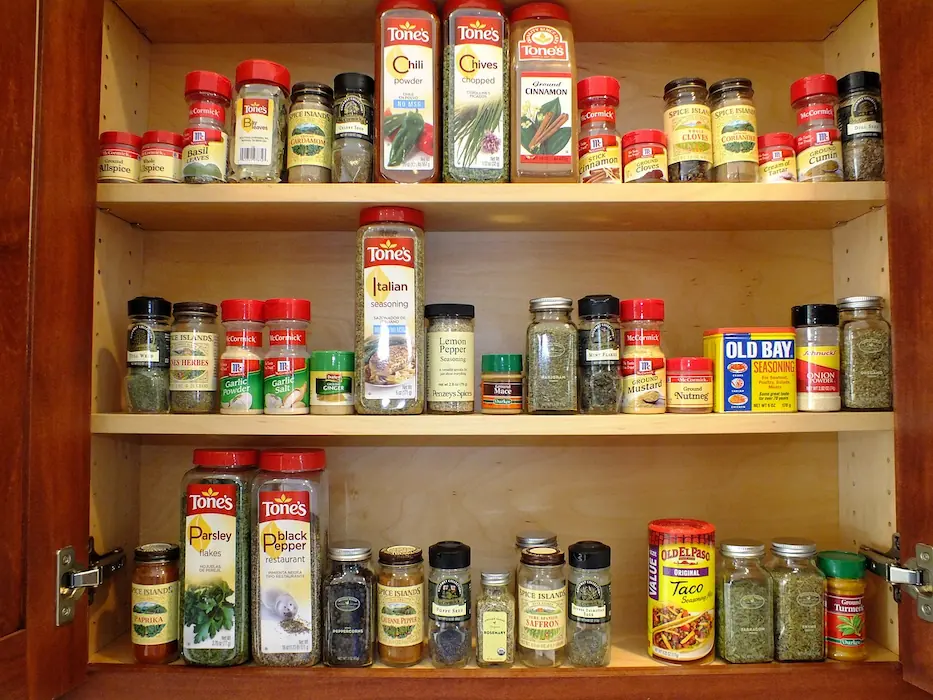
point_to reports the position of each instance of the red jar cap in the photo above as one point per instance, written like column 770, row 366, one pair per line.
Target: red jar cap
column 492, row 5
column 258, row 71
column 241, row 310
column 208, row 81
column 681, row 527
column 813, row 85
column 643, row 310
column 164, row 137
column 540, row 10
column 597, row 86
column 401, row 215
column 687, row 364
column 779, row 138
column 423, row 5
column 226, row 458
column 644, row 136
column 120, row 137
column 286, row 309
column 293, row 460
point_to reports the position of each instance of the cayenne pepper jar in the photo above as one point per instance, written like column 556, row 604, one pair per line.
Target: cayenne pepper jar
column 777, row 158
column 845, row 605
column 644, row 389
column 689, row 128
column 241, row 362
column 161, row 157
column 286, row 372
column 204, row 154
column 119, row 157
column 257, row 151
column 597, row 98
column 400, row 605
column 819, row 148
column 644, row 156
column 155, row 604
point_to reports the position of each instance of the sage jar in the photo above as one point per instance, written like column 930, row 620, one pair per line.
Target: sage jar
column 194, row 358
column 147, row 355
column 450, row 627
column 551, row 355
column 865, row 348
column 744, row 604
column 260, row 120
column 449, row 339
column 735, row 131
column 590, row 594
column 542, row 608
column 799, row 588
column 353, row 128
column 310, row 133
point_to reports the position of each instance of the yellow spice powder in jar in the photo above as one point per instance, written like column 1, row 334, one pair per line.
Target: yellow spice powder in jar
column 332, row 382
column 644, row 389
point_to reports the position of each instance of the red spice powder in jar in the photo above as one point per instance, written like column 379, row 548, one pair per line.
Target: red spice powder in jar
column 154, row 601
column 777, row 158
column 644, row 156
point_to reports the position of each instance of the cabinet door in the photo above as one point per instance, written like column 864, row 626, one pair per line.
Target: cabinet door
column 49, row 105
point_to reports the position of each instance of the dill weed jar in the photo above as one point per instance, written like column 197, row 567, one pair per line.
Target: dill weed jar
column 204, row 152
column 194, row 358
column 154, row 599
column 860, row 126
column 449, row 352
column 865, row 348
column 819, row 150
column 689, row 130
column 799, row 587
column 310, row 133
column 450, row 606
column 495, row 621
column 349, row 602
column 542, row 608
column 260, row 121
column 147, row 355
column 353, row 128
column 845, row 605
column 286, row 374
column 735, row 131
column 400, row 604
column 590, row 594
column 599, row 344
column 552, row 357
column 744, row 604
column 241, row 361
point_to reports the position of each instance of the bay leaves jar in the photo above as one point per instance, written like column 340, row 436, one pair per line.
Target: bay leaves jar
column 735, row 131
column 450, row 357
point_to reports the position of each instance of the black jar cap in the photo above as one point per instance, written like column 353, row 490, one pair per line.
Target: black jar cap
column 683, row 82
column 458, row 310
column 598, row 305
column 449, row 555
column 814, row 315
column 729, row 84
column 156, row 552
column 149, row 306
column 194, row 307
column 310, row 88
column 354, row 82
column 589, row 555
column 860, row 80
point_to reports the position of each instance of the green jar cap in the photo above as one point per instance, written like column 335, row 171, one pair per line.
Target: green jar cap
column 332, row 361
column 841, row 564
column 502, row 364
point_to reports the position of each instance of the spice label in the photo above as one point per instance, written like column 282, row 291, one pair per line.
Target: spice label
column 645, row 163
column 332, row 389
column 348, row 621
column 450, row 600
column 861, row 118
column 542, row 618
column 309, row 138
column 207, row 110
column 155, row 613
column 735, row 132
column 590, row 603
column 401, row 615
column 146, row 347
column 756, row 371
column 777, row 165
column 286, row 383
column 161, row 164
column 689, row 133
column 599, row 344
column 502, row 395
column 546, row 122
column 390, row 357
column 816, row 113
column 285, row 572
column 845, row 621
column 478, row 109
column 690, row 392
column 193, row 362
column 254, row 131
column 819, row 155
column 353, row 118
column 241, row 383
column 600, row 159
column 210, row 560
column 205, row 155
column 818, row 369
column 118, row 164
column 450, row 366
column 681, row 600
column 495, row 642
column 408, row 94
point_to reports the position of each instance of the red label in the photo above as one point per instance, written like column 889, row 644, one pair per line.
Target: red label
column 255, row 105
column 774, row 153
column 201, row 137
column 389, row 251
column 239, row 368
column 542, row 43
column 642, row 337
column 817, row 379
column 408, row 31
column 284, row 505
column 813, row 112
column 816, row 137
column 477, row 30
column 597, row 144
column 639, row 151
column 845, row 621
column 244, row 339
column 603, row 113
column 207, row 110
column 120, row 152
column 211, row 498
column 159, row 151
column 288, row 337
column 283, row 366
column 641, row 365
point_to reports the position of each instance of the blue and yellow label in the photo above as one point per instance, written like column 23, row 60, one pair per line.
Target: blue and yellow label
column 754, row 369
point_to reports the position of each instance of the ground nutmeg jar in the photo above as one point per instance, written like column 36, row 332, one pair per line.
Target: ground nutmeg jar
column 155, row 604
column 119, row 157
column 690, row 385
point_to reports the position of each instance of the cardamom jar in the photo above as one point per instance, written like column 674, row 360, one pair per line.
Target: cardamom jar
column 310, row 133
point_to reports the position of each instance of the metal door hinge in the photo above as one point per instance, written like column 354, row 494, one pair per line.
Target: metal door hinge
column 915, row 576
column 72, row 581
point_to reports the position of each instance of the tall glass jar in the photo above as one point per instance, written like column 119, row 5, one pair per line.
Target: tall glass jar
column 450, row 605
column 353, row 128
column 194, row 358
column 349, row 603
column 400, row 605
column 495, row 621
column 799, row 589
column 257, row 149
column 866, row 355
column 590, row 594
column 861, row 126
column 744, row 604
column 242, row 359
column 689, row 130
column 449, row 352
column 542, row 608
column 287, row 373
column 735, row 131
column 817, row 347
column 644, row 367
column 599, row 344
column 204, row 156
column 552, row 357
column 148, row 338
column 154, row 598
column 310, row 133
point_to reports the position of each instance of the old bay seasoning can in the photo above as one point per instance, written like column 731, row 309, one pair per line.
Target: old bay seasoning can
column 755, row 369
column 681, row 589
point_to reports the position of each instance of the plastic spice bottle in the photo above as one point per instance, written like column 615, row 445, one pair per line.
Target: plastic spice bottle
column 160, row 158
column 204, row 154
column 744, row 604
column 845, row 605
column 450, row 605
column 310, row 133
column 542, row 605
column 735, row 131
column 690, row 385
column 590, row 594
column 599, row 145
column 777, row 158
column 449, row 339
column 689, row 129
column 119, row 157
column 155, row 604
column 257, row 150
column 860, row 126
column 501, row 384
column 866, row 354
column 819, row 149
column 817, row 349
column 286, row 373
column 400, row 605
column 241, row 365
column 147, row 355
column 332, row 382
column 644, row 389
column 644, row 156
column 599, row 342
column 193, row 363
column 495, row 621
column 354, row 128
column 408, row 129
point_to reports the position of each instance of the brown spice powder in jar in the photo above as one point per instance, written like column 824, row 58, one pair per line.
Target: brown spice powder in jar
column 400, row 605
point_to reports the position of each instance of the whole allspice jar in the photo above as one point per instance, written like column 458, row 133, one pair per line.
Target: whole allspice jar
column 735, row 131
column 194, row 357
column 310, row 133
column 400, row 602
column 689, row 130
column 542, row 608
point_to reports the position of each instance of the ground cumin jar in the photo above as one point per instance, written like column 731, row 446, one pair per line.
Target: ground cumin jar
column 777, row 160
column 155, row 603
column 690, row 385
column 161, row 157
column 119, row 157
column 819, row 145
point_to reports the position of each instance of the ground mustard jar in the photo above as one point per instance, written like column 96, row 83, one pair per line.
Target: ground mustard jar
column 845, row 605
column 644, row 389
column 119, row 157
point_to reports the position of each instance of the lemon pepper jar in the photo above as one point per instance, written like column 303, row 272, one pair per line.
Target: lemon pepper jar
column 257, row 149
column 845, row 605
column 310, row 133
column 286, row 374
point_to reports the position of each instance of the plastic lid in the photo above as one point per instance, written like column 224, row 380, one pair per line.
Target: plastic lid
column 449, row 555
column 121, row 138
column 311, row 88
column 543, row 556
column 242, row 310
column 681, row 527
column 148, row 306
column 822, row 84
column 502, row 364
column 400, row 554
column 401, row 215
column 332, row 361
column 860, row 80
column 729, row 84
column 551, row 304
column 156, row 552
column 208, row 81
column 793, row 547
column 164, row 137
column 540, row 10
column 288, row 309
column 312, row 460
column 350, row 550
column 424, row 5
column 225, row 458
column 440, row 310
column 643, row 310
column 777, row 138
column 851, row 303
column 534, row 538
column 194, row 307
column 598, row 305
column 841, row 564
column 644, row 136
column 495, row 578
column 492, row 5
column 354, row 82
column 740, row 547
column 687, row 364
column 590, row 554
column 597, row 86
column 259, row 71
column 815, row 315
column 684, row 82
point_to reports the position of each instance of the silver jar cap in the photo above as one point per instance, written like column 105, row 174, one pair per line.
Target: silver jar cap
column 793, row 547
column 535, row 538
column 350, row 550
column 851, row 303
column 496, row 578
column 740, row 547
column 551, row 304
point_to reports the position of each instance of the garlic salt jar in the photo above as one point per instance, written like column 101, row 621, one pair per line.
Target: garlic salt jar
column 690, row 385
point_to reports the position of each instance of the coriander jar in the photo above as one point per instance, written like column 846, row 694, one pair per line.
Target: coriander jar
column 257, row 149
column 353, row 128
column 310, row 133
column 332, row 382
column 860, row 126
column 242, row 359
column 744, row 604
column 119, row 157
column 551, row 353
column 689, row 129
column 845, row 605
column 286, row 374
column 349, row 603
column 449, row 354
column 204, row 154
column 689, row 385
column 502, row 387
column 799, row 588
column 400, row 602
column 148, row 338
column 817, row 349
column 865, row 347
column 155, row 604
column 160, row 157
column 590, row 598
column 818, row 145
column 735, row 131
column 194, row 357
column 599, row 342
column 495, row 621
column 450, row 605
column 542, row 608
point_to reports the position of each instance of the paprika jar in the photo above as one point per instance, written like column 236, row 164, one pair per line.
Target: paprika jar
column 598, row 148
column 777, row 159
column 204, row 155
column 690, row 385
column 161, row 157
column 644, row 156
column 819, row 147
column 241, row 363
column 286, row 373
column 155, row 604
column 735, row 131
column 845, row 605
column 119, row 157
column 644, row 389
column 257, row 150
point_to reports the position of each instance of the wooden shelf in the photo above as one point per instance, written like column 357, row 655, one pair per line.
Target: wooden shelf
column 303, row 21
column 570, row 207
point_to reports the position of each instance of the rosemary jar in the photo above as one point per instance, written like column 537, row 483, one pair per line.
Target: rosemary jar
column 241, row 363
column 552, row 357
column 353, row 128
column 799, row 588
column 400, row 602
column 542, row 608
column 147, row 355
column 204, row 156
column 450, row 607
column 495, row 621
column 599, row 342
column 449, row 354
column 257, row 148
column 349, row 603
column 689, row 130
column 735, row 131
column 860, row 126
column 590, row 594
column 193, row 363
column 744, row 604
column 865, row 349
column 310, row 133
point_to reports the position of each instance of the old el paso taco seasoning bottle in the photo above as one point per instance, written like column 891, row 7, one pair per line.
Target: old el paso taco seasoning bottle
column 407, row 91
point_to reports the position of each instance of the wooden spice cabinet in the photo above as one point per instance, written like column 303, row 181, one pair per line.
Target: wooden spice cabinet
column 720, row 255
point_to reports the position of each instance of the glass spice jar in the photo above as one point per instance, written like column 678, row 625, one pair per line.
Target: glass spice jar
column 817, row 349
column 819, row 150
column 777, row 159
column 148, row 338
column 598, row 148
column 450, row 606
column 194, row 358
column 502, row 385
column 154, row 600
column 204, row 154
column 257, row 149
column 744, row 605
column 119, row 157
column 449, row 354
column 542, row 608
column 865, row 347
column 349, row 603
column 400, row 603
column 160, row 157
column 552, row 357
column 310, row 133
column 735, row 131
column 590, row 594
column 332, row 382
column 690, row 385
column 644, row 388
column 599, row 343
column 860, row 126
column 495, row 621
column 287, row 375
column 845, row 605
column 644, row 156
column 353, row 128
column 799, row 588
column 533, row 538
column 242, row 360
column 689, row 130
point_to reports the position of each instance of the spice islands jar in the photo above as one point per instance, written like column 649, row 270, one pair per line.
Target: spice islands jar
column 310, row 133
column 400, row 602
column 155, row 604
column 689, row 129
column 194, row 357
column 735, row 131
column 542, row 608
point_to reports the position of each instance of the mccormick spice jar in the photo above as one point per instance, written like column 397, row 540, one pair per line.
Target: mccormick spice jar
column 681, row 589
column 777, row 159
column 161, row 157
column 502, row 386
column 845, row 605
column 598, row 148
column 817, row 349
column 155, row 604
column 644, row 389
column 242, row 361
column 310, row 133
column 194, row 358
column 204, row 154
column 449, row 353
column 542, row 608
column 332, row 382
column 257, row 152
column 147, row 355
column 400, row 602
column 819, row 149
column 689, row 129
column 644, row 156
column 860, row 126
column 735, row 131
column 119, row 157
column 755, row 369
column 353, row 128
column 286, row 374
column 689, row 385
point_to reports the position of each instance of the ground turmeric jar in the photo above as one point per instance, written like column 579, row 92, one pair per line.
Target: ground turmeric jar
column 155, row 603
column 845, row 605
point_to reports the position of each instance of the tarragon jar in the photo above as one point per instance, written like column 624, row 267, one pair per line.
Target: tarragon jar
column 542, row 608
column 257, row 149
column 599, row 145
column 204, row 154
column 241, row 362
column 744, row 604
column 644, row 388
column 689, row 129
column 119, row 157
column 819, row 145
column 160, row 158
column 287, row 374
column 400, row 602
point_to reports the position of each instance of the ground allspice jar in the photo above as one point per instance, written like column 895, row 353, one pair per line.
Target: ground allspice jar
column 599, row 146
column 400, row 605
column 310, row 133
column 349, row 603
column 148, row 338
column 450, row 605
column 590, row 597
column 449, row 340
column 119, row 157
column 194, row 358
column 735, row 131
column 690, row 385
column 502, row 385
column 155, row 604
column 689, row 129
column 860, row 126
column 817, row 349
column 819, row 149
column 845, row 605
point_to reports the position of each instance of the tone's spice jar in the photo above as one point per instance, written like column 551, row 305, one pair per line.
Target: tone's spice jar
column 845, row 605
column 502, row 387
column 681, row 589
column 119, row 157
column 689, row 385
column 155, row 604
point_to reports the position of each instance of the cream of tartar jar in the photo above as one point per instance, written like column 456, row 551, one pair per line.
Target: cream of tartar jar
column 777, row 158
column 161, row 157
column 689, row 385
column 119, row 157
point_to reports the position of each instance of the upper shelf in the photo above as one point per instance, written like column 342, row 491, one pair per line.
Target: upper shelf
column 552, row 207
column 305, row 21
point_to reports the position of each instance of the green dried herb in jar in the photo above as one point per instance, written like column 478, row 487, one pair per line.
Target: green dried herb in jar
column 799, row 588
column 865, row 348
column 744, row 605
column 257, row 149
column 590, row 594
column 495, row 621
column 552, row 357
column 600, row 342
column 194, row 358
column 147, row 355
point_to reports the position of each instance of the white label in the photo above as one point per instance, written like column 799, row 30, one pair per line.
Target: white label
column 450, row 366
column 589, row 612
column 255, row 131
column 193, row 362
column 873, row 128
column 547, row 118
column 142, row 355
column 606, row 355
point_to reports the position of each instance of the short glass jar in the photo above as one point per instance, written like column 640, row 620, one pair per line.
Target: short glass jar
column 599, row 152
column 148, row 338
column 119, row 157
column 495, row 621
column 818, row 145
column 690, row 385
column 257, row 149
column 689, row 129
column 735, row 131
column 160, row 157
column 450, row 605
column 777, row 158
column 599, row 343
column 332, row 382
column 502, row 388
column 845, row 605
column 287, row 376
column 204, row 155
column 450, row 372
column 353, row 128
column 865, row 346
column 194, row 357
column 349, row 602
column 744, row 604
column 242, row 359
column 644, row 384
column 799, row 588
column 542, row 608
column 817, row 350
column 154, row 601
column 400, row 605
column 861, row 126
column 551, row 357
column 590, row 594
column 310, row 133
column 644, row 156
